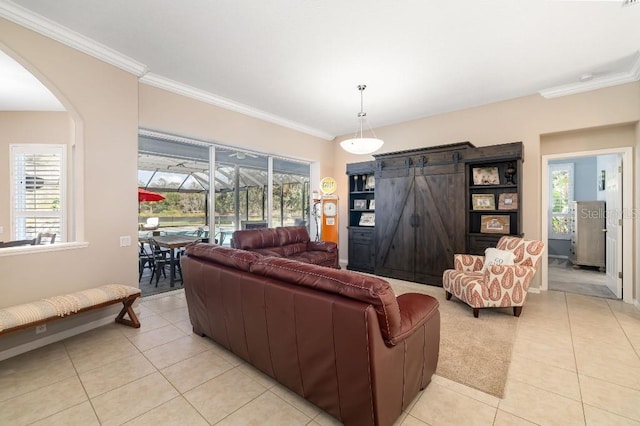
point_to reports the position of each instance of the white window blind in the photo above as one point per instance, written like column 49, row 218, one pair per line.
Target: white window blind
column 38, row 191
column 560, row 194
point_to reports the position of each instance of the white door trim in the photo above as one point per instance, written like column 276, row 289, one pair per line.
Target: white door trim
column 626, row 216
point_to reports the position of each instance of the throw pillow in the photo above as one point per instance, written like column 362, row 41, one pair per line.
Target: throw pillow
column 494, row 256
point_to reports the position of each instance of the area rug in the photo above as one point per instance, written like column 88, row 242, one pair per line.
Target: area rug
column 473, row 351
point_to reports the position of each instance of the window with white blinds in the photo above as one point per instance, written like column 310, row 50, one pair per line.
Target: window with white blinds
column 38, row 191
column 560, row 195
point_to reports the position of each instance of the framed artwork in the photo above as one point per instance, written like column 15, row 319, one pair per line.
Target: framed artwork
column 372, row 205
column 486, row 176
column 359, row 204
column 483, row 202
column 494, row 224
column 367, row 219
column 508, row 201
column 371, row 182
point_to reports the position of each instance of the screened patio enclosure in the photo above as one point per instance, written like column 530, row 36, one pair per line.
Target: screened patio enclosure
column 249, row 189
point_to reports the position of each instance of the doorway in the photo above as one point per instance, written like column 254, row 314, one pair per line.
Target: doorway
column 610, row 176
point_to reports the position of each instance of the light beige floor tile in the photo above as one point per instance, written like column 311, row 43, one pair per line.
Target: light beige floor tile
column 324, row 419
column 609, row 369
column 150, row 322
column 41, row 403
column 621, row 352
column 561, row 356
column 267, row 409
column 409, row 420
column 440, row 405
column 257, row 375
column 100, row 336
column 176, row 315
column 610, row 397
column 185, row 326
column 400, row 418
column 223, row 395
column 540, row 406
column 103, row 354
column 175, row 412
column 26, row 372
column 544, row 376
column 164, row 304
column 131, row 400
column 296, row 400
column 465, row 390
column 597, row 417
column 160, row 336
column 81, row 414
column 189, row 373
column 110, row 376
column 507, row 419
column 176, row 350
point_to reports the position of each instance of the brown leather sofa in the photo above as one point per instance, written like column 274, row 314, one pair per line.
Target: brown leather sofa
column 340, row 339
column 292, row 242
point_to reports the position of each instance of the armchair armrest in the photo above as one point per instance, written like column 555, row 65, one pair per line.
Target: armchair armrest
column 509, row 276
column 322, row 246
column 468, row 262
column 415, row 309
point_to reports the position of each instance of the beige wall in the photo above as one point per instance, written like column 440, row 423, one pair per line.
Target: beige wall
column 168, row 112
column 524, row 119
column 26, row 128
column 103, row 103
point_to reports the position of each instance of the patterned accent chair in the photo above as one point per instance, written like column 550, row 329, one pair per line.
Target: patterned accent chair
column 497, row 286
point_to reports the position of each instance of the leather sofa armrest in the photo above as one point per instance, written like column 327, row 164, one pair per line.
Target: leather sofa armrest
column 468, row 262
column 322, row 246
column 415, row 309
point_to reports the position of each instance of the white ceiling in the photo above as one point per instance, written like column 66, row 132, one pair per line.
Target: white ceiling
column 300, row 61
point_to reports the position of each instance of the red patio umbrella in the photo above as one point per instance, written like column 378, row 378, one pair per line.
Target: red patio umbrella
column 144, row 195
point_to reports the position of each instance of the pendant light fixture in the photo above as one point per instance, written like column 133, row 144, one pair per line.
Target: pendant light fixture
column 359, row 144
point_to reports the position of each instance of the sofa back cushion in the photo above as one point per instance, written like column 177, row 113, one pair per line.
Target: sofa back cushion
column 293, row 235
column 248, row 239
column 374, row 291
column 234, row 258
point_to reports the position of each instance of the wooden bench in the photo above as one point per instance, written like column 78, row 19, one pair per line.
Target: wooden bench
column 20, row 317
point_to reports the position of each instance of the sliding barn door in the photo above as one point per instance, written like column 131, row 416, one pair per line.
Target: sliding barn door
column 439, row 220
column 394, row 214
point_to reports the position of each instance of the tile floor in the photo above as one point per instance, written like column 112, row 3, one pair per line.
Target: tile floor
column 575, row 361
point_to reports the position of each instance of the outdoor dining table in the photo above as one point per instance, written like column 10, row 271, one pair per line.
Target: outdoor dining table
column 174, row 242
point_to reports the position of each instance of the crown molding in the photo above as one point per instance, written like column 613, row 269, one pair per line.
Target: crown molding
column 48, row 28
column 633, row 74
column 200, row 95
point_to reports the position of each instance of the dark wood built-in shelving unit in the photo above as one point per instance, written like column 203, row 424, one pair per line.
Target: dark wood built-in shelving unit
column 424, row 211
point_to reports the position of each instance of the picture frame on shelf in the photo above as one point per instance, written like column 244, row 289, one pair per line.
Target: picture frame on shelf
column 494, row 224
column 372, row 204
column 486, row 176
column 359, row 204
column 508, row 201
column 367, row 219
column 370, row 184
column 483, row 202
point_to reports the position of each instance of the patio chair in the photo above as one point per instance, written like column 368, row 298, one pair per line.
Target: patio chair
column 151, row 224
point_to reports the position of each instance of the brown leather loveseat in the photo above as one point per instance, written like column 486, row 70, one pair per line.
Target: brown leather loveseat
column 292, row 242
column 341, row 340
